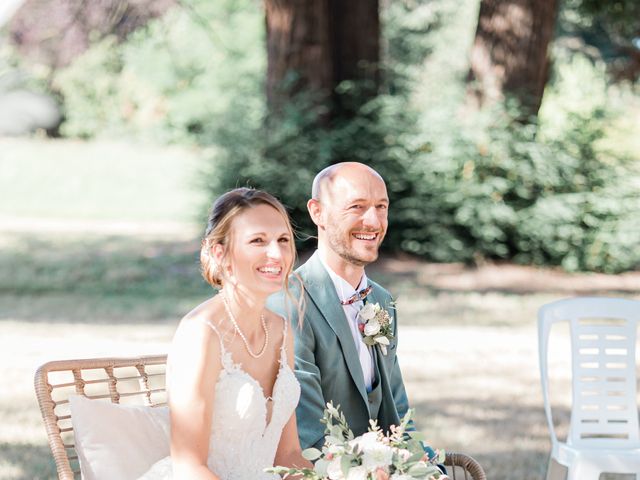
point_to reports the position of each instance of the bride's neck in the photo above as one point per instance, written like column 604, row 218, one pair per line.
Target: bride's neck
column 246, row 306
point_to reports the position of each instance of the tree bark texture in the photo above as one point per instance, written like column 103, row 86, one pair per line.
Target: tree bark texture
column 313, row 45
column 510, row 52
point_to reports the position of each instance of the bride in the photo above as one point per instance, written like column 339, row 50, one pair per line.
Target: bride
column 232, row 391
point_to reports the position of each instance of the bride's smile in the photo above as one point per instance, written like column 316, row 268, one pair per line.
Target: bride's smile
column 261, row 250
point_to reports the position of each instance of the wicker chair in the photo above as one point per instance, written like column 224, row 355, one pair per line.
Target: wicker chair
column 135, row 380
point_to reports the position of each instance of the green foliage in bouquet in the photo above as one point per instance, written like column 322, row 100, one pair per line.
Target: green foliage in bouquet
column 371, row 456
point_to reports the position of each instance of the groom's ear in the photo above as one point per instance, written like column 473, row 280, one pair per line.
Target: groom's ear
column 315, row 211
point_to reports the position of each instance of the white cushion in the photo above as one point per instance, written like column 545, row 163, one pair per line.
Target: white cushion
column 118, row 441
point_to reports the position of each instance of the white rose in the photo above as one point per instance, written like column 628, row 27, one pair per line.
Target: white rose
column 383, row 342
column 374, row 453
column 357, row 473
column 372, row 328
column 320, row 467
column 404, row 454
column 378, row 456
column 367, row 312
column 365, row 441
column 334, row 469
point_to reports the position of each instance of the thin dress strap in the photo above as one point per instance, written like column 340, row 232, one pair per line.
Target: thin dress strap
column 225, row 357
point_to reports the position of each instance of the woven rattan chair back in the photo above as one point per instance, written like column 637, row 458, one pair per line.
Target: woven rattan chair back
column 137, row 381
column 463, row 467
column 134, row 381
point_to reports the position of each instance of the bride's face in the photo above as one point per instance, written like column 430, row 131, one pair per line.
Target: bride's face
column 260, row 252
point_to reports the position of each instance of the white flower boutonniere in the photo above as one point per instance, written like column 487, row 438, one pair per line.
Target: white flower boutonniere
column 374, row 323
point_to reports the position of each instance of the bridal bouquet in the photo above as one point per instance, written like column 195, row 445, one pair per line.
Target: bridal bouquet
column 372, row 456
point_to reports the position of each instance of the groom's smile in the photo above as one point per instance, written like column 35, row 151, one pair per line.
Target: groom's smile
column 366, row 236
column 352, row 216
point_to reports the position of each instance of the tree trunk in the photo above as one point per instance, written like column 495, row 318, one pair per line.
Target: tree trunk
column 314, row 45
column 509, row 56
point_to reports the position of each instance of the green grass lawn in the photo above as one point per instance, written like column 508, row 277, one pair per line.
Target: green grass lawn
column 93, row 277
column 98, row 181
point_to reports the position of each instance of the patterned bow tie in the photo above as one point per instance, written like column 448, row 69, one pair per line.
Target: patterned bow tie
column 356, row 297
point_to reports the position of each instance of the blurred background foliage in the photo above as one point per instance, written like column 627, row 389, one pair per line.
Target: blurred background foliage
column 466, row 185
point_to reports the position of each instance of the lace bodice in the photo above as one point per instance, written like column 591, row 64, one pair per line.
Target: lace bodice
column 243, row 439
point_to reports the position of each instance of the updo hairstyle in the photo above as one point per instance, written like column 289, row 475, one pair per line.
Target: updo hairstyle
column 218, row 231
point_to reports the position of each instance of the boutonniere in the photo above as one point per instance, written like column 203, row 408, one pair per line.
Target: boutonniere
column 374, row 323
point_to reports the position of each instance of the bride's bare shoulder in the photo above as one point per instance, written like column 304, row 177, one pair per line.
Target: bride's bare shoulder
column 199, row 330
column 206, row 315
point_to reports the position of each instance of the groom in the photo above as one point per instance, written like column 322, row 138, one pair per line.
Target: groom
column 349, row 205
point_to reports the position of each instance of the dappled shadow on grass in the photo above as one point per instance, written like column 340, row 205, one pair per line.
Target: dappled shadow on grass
column 26, row 461
column 510, row 438
column 503, row 277
column 98, row 265
column 97, row 278
column 97, row 309
column 113, row 278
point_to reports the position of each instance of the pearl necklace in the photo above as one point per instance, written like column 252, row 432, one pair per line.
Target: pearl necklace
column 244, row 339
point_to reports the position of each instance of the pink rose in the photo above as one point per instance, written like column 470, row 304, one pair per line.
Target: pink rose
column 381, row 474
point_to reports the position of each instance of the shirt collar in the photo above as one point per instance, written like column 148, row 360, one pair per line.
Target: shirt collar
column 343, row 288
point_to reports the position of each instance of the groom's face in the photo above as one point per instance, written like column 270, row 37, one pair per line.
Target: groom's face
column 354, row 211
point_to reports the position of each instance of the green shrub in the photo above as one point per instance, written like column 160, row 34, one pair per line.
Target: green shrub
column 171, row 80
column 518, row 196
column 464, row 186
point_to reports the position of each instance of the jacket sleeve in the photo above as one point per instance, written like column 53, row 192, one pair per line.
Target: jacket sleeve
column 396, row 383
column 311, row 406
column 312, row 403
column 400, row 395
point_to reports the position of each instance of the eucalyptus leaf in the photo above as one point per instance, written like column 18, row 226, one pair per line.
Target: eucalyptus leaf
column 369, row 341
column 336, row 431
column 311, row 454
column 416, row 457
column 332, row 410
column 345, row 464
column 419, row 470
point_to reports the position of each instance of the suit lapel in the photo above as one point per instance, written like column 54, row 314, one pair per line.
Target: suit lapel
column 322, row 292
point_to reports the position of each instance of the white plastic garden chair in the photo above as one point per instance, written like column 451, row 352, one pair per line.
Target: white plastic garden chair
column 603, row 432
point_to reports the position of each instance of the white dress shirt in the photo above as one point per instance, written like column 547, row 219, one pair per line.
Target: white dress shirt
column 345, row 291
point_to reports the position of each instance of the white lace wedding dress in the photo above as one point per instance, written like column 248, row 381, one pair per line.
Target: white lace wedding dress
column 242, row 443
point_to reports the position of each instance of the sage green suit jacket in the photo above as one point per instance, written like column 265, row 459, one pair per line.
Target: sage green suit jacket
column 326, row 360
